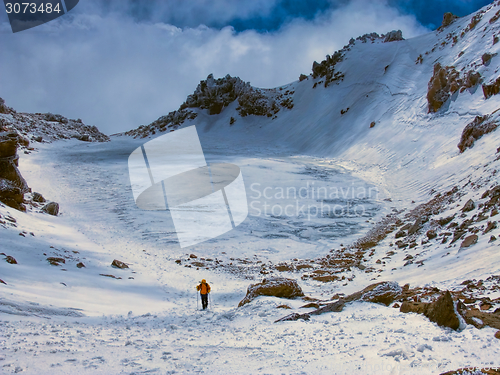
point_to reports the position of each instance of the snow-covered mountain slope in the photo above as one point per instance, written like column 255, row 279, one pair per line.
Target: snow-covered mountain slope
column 379, row 113
column 386, row 83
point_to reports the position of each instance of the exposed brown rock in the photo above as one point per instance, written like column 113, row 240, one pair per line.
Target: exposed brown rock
column 487, row 319
column 448, row 19
column 431, row 234
column 486, row 58
column 492, row 88
column 469, row 241
column 490, row 226
column 283, row 307
column 325, row 278
column 55, row 261
column 480, row 126
column 52, row 208
column 37, row 197
column 446, row 81
column 275, row 286
column 469, row 206
column 118, row 264
column 10, row 259
column 415, row 307
column 441, row 311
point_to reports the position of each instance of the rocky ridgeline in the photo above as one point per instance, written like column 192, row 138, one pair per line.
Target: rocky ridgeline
column 169, row 122
column 48, row 127
column 213, row 95
column 326, row 68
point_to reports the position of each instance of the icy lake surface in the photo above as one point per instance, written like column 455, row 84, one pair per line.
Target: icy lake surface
column 298, row 206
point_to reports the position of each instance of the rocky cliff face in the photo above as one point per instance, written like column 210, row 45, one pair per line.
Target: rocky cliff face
column 12, row 184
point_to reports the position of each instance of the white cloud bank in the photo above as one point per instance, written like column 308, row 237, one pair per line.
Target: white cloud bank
column 117, row 74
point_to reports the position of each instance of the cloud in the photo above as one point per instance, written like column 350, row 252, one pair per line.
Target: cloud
column 117, row 73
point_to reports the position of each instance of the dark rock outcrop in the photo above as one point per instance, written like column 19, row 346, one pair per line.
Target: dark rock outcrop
column 441, row 311
column 275, row 286
column 119, row 264
column 10, row 194
column 417, row 225
column 37, row 197
column 393, row 36
column 480, row 126
column 471, row 316
column 12, row 184
column 448, row 19
column 486, row 58
column 446, row 81
column 10, row 259
column 490, row 226
column 492, row 88
column 55, row 261
column 469, row 206
column 414, row 307
column 469, row 241
column 431, row 234
column 52, row 208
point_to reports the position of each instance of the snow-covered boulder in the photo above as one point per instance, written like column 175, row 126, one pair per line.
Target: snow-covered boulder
column 274, row 286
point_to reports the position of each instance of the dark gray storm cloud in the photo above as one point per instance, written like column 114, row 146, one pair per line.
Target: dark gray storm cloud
column 117, row 68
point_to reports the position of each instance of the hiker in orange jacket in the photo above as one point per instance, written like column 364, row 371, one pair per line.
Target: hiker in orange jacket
column 204, row 289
